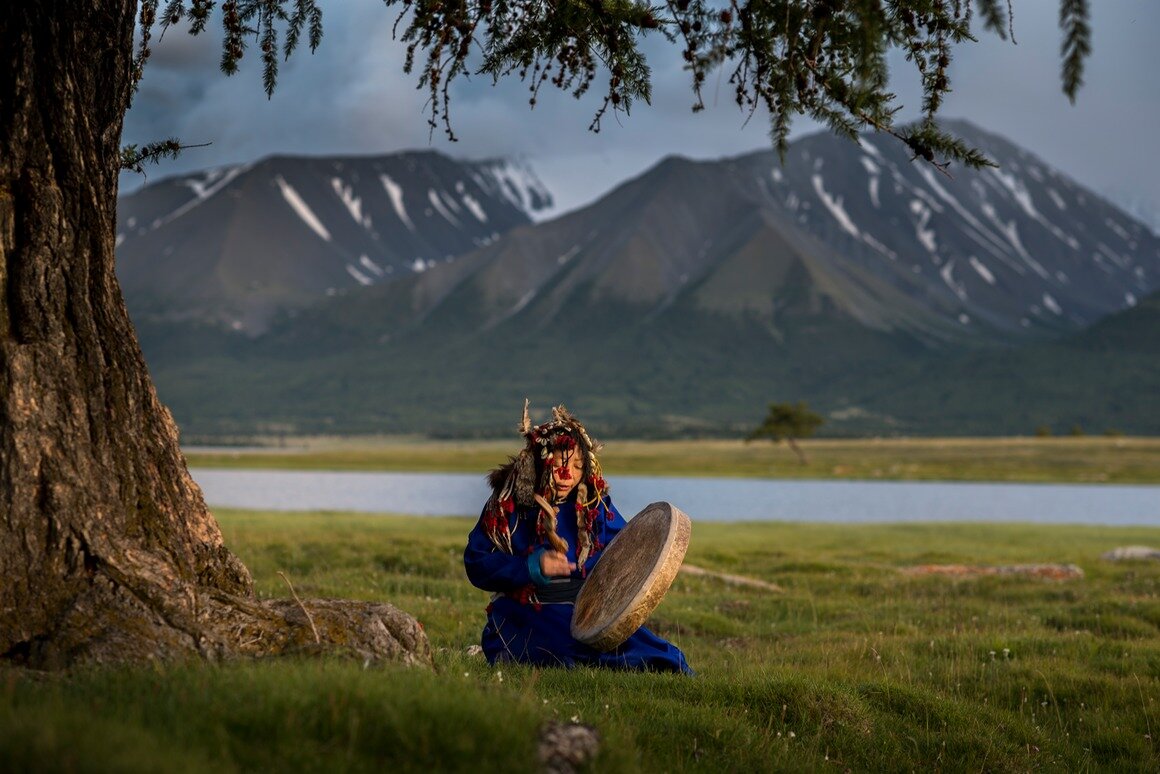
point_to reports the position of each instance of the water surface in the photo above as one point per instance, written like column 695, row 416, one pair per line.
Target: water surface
column 704, row 499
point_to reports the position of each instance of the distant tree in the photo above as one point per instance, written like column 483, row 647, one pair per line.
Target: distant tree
column 1077, row 430
column 788, row 422
column 108, row 549
column 1043, row 431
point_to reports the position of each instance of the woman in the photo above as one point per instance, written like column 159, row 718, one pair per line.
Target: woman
column 540, row 534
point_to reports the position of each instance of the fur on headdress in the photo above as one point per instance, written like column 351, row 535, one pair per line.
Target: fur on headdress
column 525, row 481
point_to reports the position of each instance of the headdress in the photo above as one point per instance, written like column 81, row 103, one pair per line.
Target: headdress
column 523, row 483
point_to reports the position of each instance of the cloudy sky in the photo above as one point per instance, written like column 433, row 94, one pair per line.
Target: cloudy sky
column 351, row 97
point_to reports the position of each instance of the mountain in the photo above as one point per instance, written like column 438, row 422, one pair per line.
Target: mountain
column 1104, row 378
column 234, row 246
column 896, row 246
column 892, row 297
column 1015, row 247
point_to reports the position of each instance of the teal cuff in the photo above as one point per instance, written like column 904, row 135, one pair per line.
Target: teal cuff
column 534, row 570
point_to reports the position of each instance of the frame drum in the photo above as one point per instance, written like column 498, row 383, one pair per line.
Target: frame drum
column 631, row 577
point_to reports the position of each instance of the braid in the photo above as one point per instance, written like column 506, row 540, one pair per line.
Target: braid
column 547, row 524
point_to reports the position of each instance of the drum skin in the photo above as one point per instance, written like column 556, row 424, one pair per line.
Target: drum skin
column 632, row 576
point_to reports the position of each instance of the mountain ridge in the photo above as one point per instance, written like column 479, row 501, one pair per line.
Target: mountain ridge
column 305, row 227
column 697, row 291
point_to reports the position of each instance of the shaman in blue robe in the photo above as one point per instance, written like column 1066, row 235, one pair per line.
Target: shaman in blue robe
column 530, row 616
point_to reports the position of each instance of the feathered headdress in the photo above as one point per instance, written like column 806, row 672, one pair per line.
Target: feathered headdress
column 526, row 481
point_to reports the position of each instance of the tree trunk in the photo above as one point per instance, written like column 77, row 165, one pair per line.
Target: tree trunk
column 797, row 450
column 107, row 550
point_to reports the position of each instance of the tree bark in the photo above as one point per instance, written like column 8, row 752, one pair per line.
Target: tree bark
column 107, row 550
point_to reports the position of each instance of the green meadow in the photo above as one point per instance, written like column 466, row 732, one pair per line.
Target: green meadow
column 852, row 665
column 1071, row 459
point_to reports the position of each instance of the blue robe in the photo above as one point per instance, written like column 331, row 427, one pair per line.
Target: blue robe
column 520, row 628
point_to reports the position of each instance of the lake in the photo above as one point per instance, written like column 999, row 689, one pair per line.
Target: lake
column 704, row 499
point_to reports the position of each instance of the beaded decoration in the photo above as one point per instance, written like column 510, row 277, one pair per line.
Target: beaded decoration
column 525, row 481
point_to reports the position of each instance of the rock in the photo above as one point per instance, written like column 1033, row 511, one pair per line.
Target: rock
column 732, row 580
column 1050, row 571
column 1128, row 553
column 565, row 747
column 373, row 632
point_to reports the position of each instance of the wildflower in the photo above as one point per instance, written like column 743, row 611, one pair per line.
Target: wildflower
column 792, row 735
column 575, row 718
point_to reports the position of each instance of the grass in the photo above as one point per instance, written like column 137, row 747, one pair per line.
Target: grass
column 853, row 666
column 1088, row 459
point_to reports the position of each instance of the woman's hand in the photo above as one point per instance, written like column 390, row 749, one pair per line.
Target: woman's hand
column 556, row 564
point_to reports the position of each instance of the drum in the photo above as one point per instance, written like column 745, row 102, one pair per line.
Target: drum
column 631, row 577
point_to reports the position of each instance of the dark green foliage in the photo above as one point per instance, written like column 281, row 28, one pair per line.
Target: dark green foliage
column 825, row 59
column 788, row 420
column 1073, row 20
column 242, row 22
column 865, row 383
column 134, row 159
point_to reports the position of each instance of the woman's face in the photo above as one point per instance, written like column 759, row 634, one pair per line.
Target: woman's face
column 567, row 468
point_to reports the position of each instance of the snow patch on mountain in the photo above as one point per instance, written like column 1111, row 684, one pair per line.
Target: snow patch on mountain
column 948, row 276
column 359, row 277
column 925, row 236
column 395, row 192
column 1010, row 229
column 352, row 203
column 203, row 189
column 470, row 202
column 370, row 265
column 301, row 208
column 214, row 180
column 982, row 270
column 835, row 207
column 1118, row 229
column 514, row 180
column 437, row 202
column 1023, row 198
column 563, row 259
column 1017, row 190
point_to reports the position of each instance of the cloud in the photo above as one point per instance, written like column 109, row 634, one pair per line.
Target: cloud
column 352, row 97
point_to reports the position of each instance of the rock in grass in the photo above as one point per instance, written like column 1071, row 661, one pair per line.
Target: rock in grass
column 1128, row 553
column 566, row 747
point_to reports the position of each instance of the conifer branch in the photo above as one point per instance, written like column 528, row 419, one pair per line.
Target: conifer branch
column 1073, row 21
column 995, row 20
column 825, row 59
column 133, row 159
